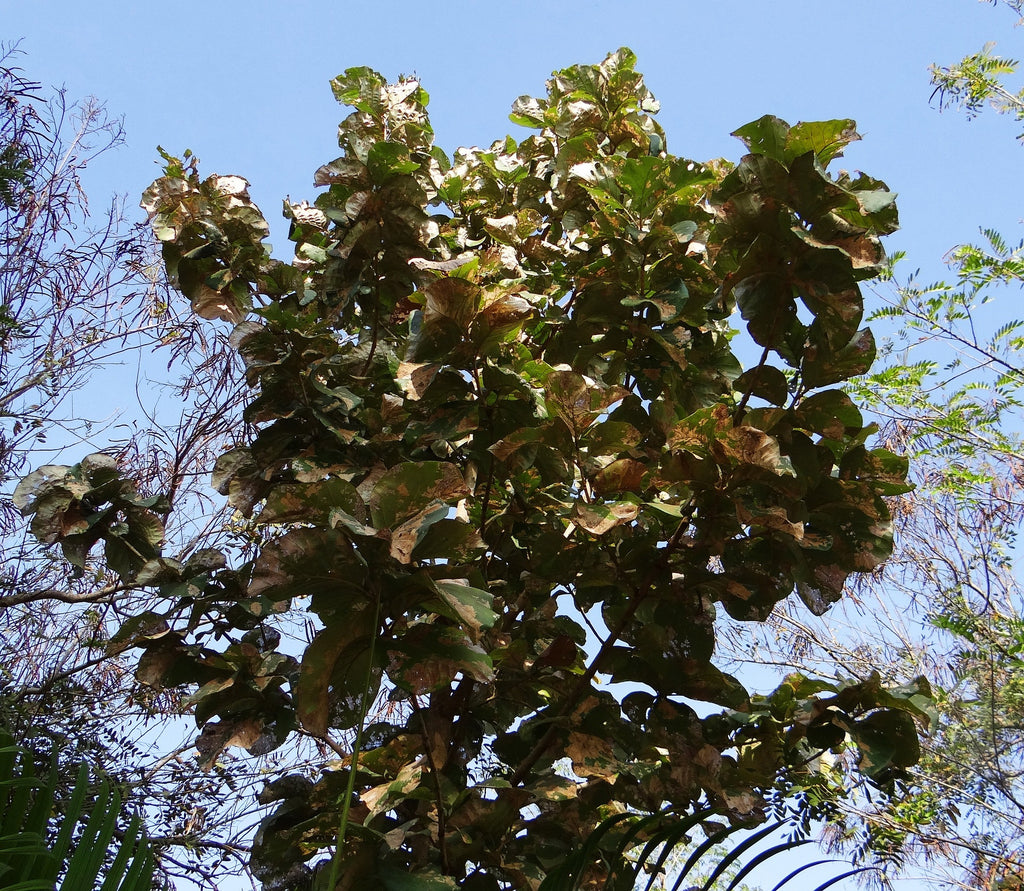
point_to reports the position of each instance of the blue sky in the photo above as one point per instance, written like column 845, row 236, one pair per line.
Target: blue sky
column 245, row 84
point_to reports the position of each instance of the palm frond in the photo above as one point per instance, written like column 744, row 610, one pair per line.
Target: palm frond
column 71, row 856
column 631, row 851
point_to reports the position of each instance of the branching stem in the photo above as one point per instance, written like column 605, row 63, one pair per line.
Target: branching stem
column 364, row 708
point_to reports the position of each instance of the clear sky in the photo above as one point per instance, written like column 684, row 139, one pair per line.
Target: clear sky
column 244, row 84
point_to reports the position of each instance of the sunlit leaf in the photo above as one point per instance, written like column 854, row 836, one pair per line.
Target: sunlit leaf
column 409, row 488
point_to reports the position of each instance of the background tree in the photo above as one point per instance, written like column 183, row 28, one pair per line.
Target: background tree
column 502, row 458
column 82, row 306
column 979, row 80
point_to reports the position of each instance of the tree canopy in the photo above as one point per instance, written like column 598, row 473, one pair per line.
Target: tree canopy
column 502, row 477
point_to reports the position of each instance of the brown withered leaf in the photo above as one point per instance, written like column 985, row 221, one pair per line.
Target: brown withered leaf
column 591, row 756
column 599, row 518
column 622, row 475
column 217, row 736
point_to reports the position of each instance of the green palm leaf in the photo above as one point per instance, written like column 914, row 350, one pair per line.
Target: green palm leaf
column 630, row 846
column 35, row 858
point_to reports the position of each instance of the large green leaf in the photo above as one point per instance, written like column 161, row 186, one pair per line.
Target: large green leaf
column 469, row 605
column 823, row 366
column 409, row 488
column 887, row 740
column 429, row 657
column 395, row 879
column 773, row 137
column 333, row 671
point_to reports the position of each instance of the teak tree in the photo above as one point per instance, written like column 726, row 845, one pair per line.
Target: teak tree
column 505, row 458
